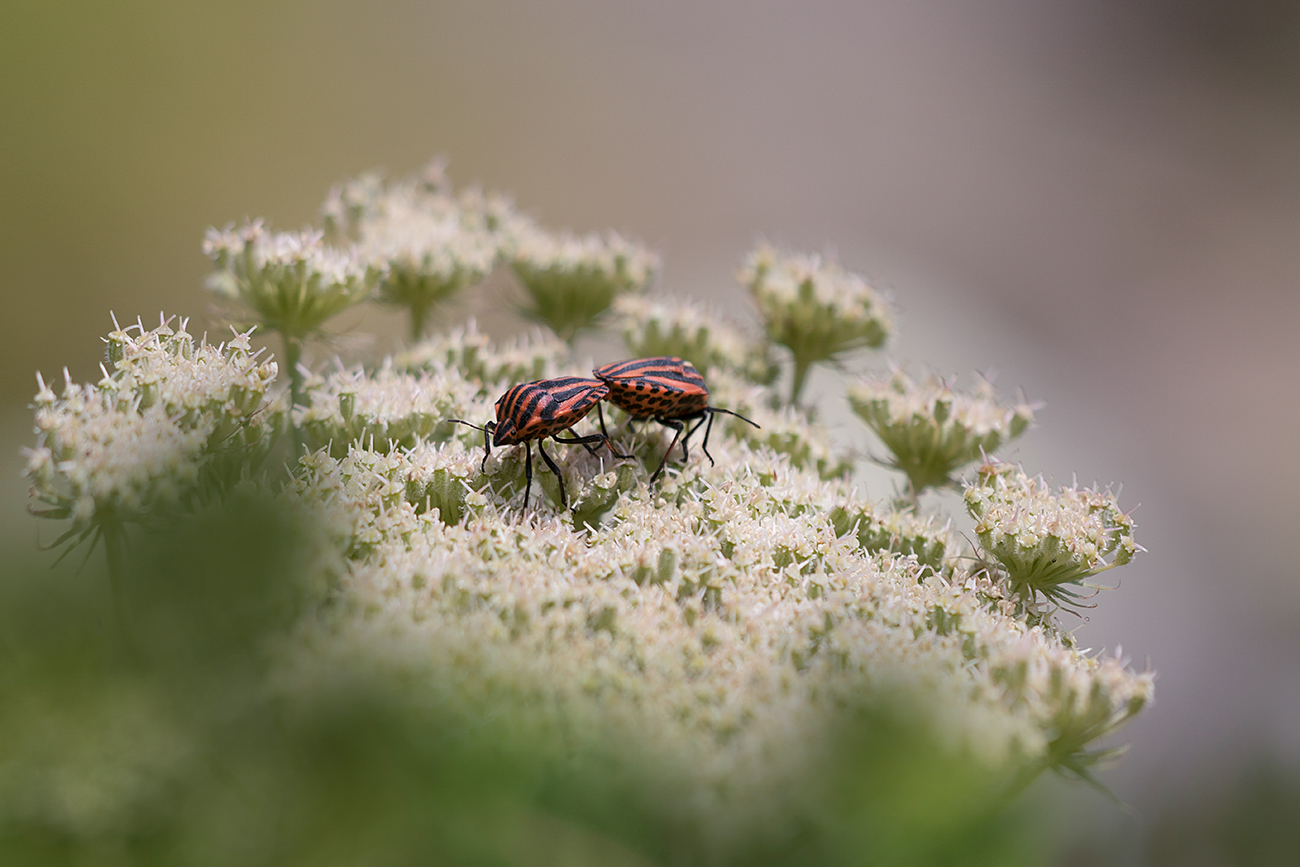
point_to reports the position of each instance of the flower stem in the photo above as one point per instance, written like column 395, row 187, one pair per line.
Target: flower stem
column 419, row 319
column 801, row 368
column 292, row 355
column 114, row 535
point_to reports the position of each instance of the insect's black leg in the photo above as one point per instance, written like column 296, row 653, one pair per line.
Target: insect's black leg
column 564, row 503
column 677, row 426
column 593, row 438
column 487, row 447
column 711, row 412
column 708, row 413
column 600, row 416
column 528, row 471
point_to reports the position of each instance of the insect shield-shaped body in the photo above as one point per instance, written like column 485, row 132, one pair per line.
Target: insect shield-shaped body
column 666, row 389
column 536, row 410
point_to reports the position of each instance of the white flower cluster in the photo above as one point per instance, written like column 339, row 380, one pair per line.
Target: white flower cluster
column 785, row 430
column 1045, row 539
column 384, row 408
column 168, row 410
column 572, row 280
column 427, row 243
column 293, row 281
column 931, row 429
column 683, row 329
column 716, row 620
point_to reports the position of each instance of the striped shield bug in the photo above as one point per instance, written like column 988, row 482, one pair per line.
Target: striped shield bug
column 545, row 408
column 666, row 389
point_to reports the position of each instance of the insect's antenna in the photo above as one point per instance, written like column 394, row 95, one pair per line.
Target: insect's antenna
column 468, row 424
column 737, row 415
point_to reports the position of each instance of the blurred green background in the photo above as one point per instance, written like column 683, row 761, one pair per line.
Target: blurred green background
column 1101, row 200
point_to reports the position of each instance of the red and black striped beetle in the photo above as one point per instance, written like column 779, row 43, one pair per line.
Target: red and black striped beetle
column 545, row 408
column 666, row 389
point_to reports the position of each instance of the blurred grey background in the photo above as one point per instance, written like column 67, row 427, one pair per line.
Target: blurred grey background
column 1097, row 199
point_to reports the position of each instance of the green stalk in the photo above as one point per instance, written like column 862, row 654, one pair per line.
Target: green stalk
column 292, row 355
column 114, row 535
column 801, row 368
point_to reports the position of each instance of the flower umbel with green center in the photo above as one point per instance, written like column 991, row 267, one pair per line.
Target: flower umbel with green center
column 684, row 329
column 814, row 308
column 427, row 243
column 291, row 281
column 171, row 423
column 931, row 429
column 571, row 280
column 1048, row 542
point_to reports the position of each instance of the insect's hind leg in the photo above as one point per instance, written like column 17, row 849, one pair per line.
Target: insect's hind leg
column 710, row 412
column 586, row 442
column 678, row 427
column 564, row 502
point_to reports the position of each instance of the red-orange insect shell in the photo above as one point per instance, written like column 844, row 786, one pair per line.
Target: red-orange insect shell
column 666, row 389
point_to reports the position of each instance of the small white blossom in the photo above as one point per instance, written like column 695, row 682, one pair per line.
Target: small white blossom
column 683, row 329
column 472, row 354
column 169, row 413
column 388, row 407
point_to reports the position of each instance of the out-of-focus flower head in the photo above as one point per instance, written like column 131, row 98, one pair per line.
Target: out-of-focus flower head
column 170, row 418
column 292, row 281
column 427, row 242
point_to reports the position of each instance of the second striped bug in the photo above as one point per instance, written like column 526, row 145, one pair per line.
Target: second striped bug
column 537, row 410
column 667, row 390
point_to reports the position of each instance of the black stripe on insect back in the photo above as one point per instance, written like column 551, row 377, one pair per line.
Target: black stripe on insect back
column 549, row 400
column 666, row 371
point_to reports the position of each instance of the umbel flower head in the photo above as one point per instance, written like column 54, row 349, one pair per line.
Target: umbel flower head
column 683, row 329
column 708, row 634
column 571, row 280
column 814, row 308
column 170, row 418
column 931, row 429
column 425, row 242
column 1047, row 541
column 292, row 281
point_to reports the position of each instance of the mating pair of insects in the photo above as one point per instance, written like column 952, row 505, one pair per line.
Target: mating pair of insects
column 667, row 390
